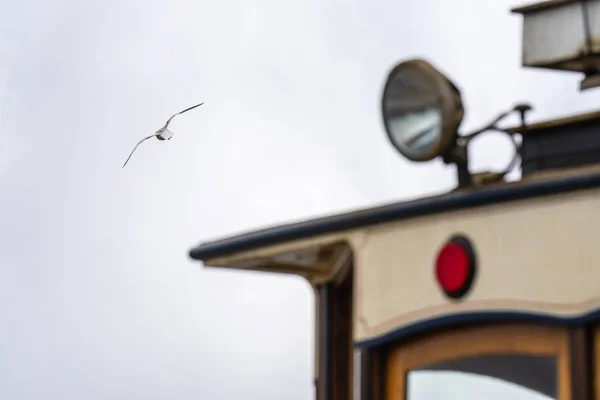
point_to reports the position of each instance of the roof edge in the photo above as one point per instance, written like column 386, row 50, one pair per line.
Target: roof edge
column 394, row 212
column 540, row 6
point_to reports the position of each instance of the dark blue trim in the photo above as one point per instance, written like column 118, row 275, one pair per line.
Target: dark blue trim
column 464, row 318
column 395, row 212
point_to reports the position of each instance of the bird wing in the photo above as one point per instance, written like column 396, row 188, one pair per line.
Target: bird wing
column 181, row 112
column 190, row 108
column 136, row 146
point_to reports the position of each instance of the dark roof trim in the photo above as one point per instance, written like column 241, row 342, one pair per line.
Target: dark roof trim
column 554, row 123
column 394, row 212
column 544, row 5
column 471, row 317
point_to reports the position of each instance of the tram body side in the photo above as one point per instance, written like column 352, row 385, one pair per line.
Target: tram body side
column 379, row 300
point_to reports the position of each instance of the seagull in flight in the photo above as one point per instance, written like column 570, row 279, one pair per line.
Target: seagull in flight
column 163, row 133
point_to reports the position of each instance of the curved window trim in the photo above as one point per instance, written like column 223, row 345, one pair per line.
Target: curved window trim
column 474, row 341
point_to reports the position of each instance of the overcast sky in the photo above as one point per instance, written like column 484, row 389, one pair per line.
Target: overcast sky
column 98, row 298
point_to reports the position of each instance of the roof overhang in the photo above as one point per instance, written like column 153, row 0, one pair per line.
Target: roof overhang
column 317, row 249
column 318, row 261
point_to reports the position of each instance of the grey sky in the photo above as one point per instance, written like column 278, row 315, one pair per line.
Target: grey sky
column 98, row 298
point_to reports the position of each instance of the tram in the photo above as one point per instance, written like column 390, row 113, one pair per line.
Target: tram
column 488, row 291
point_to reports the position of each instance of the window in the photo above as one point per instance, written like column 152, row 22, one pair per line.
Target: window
column 523, row 362
column 498, row 376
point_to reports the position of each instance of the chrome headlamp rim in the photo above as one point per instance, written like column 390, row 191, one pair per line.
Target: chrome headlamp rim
column 450, row 106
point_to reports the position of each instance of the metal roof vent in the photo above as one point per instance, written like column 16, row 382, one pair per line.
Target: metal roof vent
column 560, row 144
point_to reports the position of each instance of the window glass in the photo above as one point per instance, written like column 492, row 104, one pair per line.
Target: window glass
column 520, row 377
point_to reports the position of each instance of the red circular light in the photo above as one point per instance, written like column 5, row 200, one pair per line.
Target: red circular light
column 455, row 267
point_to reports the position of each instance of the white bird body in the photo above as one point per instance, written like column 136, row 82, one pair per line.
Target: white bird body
column 163, row 133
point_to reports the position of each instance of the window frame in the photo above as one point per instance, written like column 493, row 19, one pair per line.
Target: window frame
column 468, row 341
column 335, row 350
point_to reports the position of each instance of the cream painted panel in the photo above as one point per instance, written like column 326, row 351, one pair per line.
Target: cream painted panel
column 536, row 256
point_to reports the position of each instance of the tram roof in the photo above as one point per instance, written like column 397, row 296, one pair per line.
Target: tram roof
column 456, row 200
column 540, row 184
